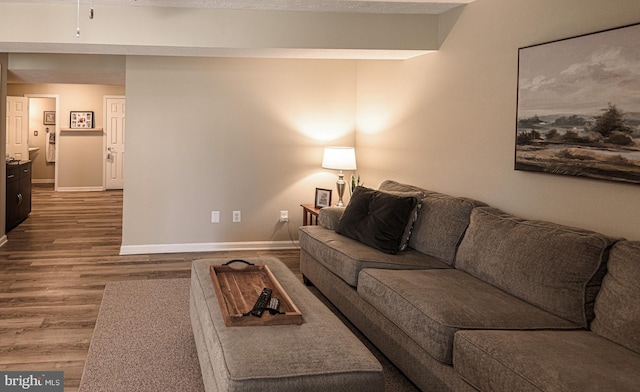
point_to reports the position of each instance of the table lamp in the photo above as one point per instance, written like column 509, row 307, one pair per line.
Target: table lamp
column 339, row 158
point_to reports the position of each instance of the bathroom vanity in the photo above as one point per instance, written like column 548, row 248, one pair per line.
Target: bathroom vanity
column 18, row 193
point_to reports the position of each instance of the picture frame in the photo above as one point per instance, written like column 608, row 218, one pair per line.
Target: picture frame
column 323, row 198
column 81, row 119
column 49, row 118
column 578, row 109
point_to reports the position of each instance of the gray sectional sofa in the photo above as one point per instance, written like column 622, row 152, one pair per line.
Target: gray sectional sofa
column 480, row 299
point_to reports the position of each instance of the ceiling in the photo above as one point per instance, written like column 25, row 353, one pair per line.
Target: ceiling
column 433, row 7
column 41, row 73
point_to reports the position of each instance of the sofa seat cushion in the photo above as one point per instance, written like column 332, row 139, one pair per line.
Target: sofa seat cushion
column 616, row 308
column 557, row 268
column 431, row 305
column 345, row 257
column 570, row 361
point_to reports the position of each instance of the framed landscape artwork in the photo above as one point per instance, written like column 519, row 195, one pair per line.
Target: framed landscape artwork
column 579, row 106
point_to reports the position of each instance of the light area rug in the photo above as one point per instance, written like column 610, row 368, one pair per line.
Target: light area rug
column 143, row 342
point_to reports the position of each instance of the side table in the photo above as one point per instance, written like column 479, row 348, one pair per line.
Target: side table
column 309, row 213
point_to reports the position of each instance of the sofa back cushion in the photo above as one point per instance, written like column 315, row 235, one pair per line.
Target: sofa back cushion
column 441, row 221
column 554, row 267
column 617, row 306
column 441, row 224
column 394, row 186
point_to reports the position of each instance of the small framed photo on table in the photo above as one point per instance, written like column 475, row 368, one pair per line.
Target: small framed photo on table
column 323, row 197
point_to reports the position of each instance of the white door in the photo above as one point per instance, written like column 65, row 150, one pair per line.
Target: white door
column 114, row 131
column 18, row 127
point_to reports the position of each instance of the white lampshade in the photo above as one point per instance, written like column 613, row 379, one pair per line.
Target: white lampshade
column 339, row 158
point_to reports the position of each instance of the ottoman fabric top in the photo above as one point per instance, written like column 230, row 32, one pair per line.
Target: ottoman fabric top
column 320, row 354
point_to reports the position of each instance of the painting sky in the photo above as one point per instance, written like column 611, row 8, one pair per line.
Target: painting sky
column 581, row 75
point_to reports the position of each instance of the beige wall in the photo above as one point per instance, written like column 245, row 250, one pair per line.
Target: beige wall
column 208, row 134
column 247, row 134
column 80, row 154
column 446, row 121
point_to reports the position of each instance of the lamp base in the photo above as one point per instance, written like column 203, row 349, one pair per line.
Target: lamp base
column 340, row 185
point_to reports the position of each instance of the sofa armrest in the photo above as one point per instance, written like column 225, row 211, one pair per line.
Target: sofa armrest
column 329, row 217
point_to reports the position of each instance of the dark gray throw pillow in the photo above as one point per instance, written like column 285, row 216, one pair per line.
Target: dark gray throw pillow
column 378, row 219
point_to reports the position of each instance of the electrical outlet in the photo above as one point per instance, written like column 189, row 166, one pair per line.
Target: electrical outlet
column 284, row 216
column 215, row 216
column 237, row 216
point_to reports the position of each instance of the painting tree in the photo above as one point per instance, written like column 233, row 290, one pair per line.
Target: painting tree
column 611, row 121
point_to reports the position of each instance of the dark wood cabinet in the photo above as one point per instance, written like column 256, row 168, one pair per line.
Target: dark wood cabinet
column 13, row 190
column 18, row 193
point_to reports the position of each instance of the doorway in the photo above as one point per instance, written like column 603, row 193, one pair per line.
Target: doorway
column 43, row 123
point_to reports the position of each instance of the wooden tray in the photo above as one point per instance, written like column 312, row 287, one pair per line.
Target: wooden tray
column 238, row 288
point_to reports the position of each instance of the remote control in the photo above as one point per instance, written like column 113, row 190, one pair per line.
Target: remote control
column 261, row 303
column 274, row 304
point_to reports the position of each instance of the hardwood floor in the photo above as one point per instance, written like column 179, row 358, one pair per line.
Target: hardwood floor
column 54, row 269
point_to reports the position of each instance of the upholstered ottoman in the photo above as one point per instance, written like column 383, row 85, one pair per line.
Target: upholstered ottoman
column 321, row 354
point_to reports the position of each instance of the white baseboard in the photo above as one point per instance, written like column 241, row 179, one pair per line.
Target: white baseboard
column 80, row 189
column 3, row 240
column 43, row 181
column 207, row 247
